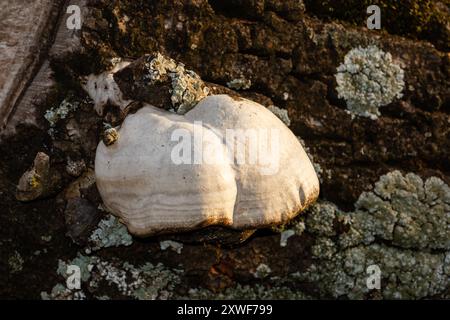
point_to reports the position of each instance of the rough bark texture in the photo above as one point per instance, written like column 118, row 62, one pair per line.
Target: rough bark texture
column 290, row 52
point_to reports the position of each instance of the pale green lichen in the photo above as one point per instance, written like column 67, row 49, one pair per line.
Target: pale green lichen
column 147, row 282
column 299, row 228
column 284, row 236
column 110, row 233
column 15, row 262
column 85, row 263
column 173, row 245
column 158, row 67
column 282, row 114
column 368, row 79
column 240, row 84
column 46, row 238
column 320, row 220
column 61, row 112
column 60, row 292
column 402, row 227
column 187, row 87
column 324, row 248
column 290, row 229
column 262, row 271
column 405, row 210
column 317, row 167
column 414, row 262
column 247, row 292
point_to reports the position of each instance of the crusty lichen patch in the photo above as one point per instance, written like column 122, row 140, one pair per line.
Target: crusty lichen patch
column 321, row 173
column 282, row 114
column 173, row 245
column 62, row 111
column 61, row 292
column 15, row 262
column 109, row 233
column 368, row 79
column 147, row 282
column 187, row 87
column 402, row 227
column 262, row 271
column 240, row 84
column 248, row 292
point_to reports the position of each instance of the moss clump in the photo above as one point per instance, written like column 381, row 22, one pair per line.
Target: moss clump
column 425, row 19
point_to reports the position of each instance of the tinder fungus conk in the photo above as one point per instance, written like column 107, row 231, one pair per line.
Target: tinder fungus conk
column 228, row 162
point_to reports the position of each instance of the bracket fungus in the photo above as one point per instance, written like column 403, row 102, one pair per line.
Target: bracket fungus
column 157, row 179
